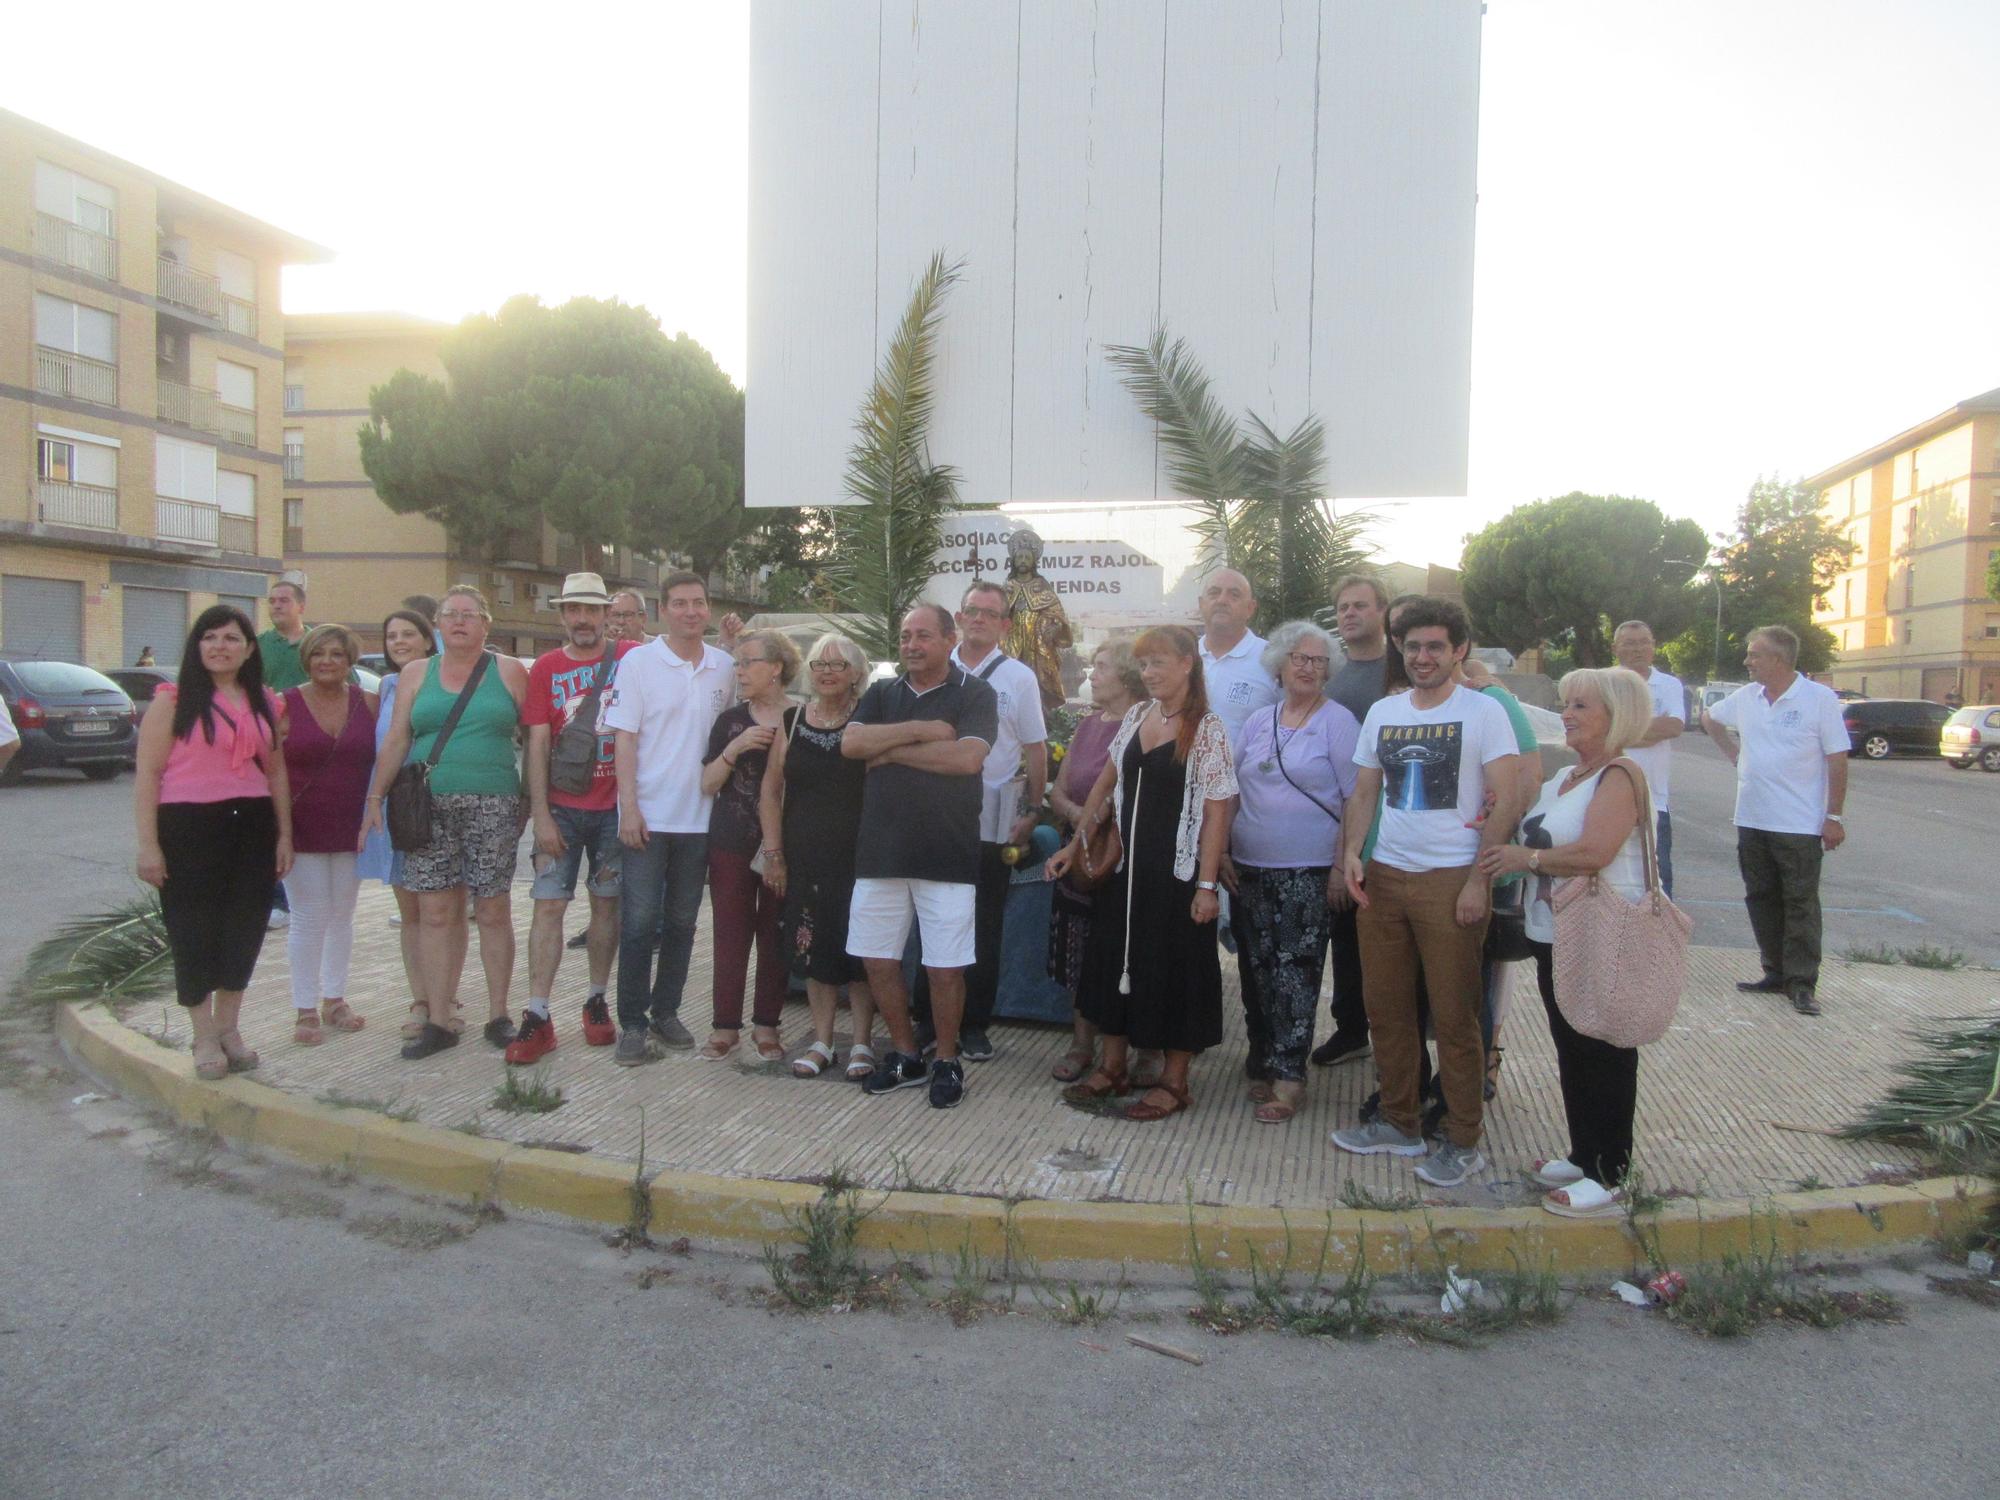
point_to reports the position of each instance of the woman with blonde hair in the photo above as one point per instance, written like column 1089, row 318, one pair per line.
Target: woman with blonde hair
column 477, row 811
column 744, row 911
column 1587, row 823
column 1151, row 977
column 329, row 739
column 811, row 815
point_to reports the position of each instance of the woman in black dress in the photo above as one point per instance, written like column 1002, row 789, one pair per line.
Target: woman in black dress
column 1168, row 781
column 811, row 811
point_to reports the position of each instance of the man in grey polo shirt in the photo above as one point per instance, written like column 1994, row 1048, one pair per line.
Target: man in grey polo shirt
column 1791, row 783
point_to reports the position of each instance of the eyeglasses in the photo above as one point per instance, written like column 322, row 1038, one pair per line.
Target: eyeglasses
column 982, row 612
column 447, row 616
column 1310, row 663
column 829, row 666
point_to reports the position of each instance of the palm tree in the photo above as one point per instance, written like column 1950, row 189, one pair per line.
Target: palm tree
column 883, row 544
column 1257, row 497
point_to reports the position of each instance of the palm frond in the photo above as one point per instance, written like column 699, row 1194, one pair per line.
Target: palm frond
column 882, row 544
column 1948, row 1101
column 117, row 955
column 1203, row 453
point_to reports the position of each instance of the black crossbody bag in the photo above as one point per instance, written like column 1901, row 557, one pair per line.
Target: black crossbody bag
column 408, row 805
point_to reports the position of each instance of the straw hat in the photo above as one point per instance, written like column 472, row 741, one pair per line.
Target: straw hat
column 583, row 588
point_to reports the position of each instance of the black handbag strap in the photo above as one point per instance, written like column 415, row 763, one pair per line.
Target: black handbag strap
column 457, row 708
column 1278, row 750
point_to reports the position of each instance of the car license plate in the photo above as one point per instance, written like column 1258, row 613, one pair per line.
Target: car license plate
column 90, row 726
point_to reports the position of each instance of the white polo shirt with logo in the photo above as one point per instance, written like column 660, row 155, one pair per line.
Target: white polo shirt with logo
column 1670, row 700
column 1781, row 766
column 1237, row 684
column 1021, row 723
column 670, row 704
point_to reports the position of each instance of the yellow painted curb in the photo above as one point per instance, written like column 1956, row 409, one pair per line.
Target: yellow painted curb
column 1831, row 1222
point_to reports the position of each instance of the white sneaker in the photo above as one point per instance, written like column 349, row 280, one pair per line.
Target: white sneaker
column 395, row 920
column 279, row 920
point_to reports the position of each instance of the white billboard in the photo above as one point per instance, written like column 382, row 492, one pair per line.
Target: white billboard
column 1289, row 185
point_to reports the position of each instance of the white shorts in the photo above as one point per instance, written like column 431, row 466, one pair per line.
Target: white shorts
column 878, row 921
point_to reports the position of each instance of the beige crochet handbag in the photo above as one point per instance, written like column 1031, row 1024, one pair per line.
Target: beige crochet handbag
column 1620, row 965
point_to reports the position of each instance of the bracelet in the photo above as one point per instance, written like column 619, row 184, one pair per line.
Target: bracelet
column 1535, row 861
column 1205, row 885
column 374, row 798
column 773, row 853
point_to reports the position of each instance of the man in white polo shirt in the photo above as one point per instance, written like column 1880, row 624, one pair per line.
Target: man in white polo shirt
column 1008, row 808
column 1632, row 643
column 1232, row 666
column 660, row 707
column 1791, row 783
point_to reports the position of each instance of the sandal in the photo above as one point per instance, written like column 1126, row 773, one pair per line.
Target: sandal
column 769, row 1047
column 812, row 1062
column 1143, row 1113
column 1099, row 1085
column 1280, row 1107
column 718, row 1046
column 1493, row 1056
column 340, row 1015
column 237, row 1053
column 306, row 1030
column 1557, row 1172
column 210, row 1062
column 860, row 1063
column 1585, row 1199
column 1263, row 1091
column 1074, row 1064
column 1151, row 1065
column 419, row 1017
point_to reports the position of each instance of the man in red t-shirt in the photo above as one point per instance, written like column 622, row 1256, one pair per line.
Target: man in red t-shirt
column 561, row 684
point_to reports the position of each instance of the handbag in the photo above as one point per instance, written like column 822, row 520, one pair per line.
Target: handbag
column 1103, row 852
column 757, row 860
column 1619, row 965
column 408, row 805
column 573, row 756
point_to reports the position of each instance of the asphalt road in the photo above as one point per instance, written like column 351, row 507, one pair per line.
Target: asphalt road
column 177, row 1323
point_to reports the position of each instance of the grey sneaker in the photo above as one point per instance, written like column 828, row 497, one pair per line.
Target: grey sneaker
column 1376, row 1138
column 1449, row 1165
column 668, row 1032
column 635, row 1046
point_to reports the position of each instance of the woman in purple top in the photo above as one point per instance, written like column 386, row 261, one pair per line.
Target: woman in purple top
column 329, row 756
column 1294, row 774
column 1114, row 687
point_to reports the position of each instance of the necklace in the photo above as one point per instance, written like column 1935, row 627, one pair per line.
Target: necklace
column 1164, row 715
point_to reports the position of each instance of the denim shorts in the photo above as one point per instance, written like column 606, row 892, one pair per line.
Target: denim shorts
column 591, row 830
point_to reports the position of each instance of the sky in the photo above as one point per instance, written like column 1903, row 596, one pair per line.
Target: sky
column 1716, row 238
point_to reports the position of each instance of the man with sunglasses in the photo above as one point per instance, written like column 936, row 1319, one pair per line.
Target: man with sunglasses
column 1012, row 783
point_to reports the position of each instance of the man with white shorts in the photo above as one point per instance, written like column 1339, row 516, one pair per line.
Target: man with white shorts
column 925, row 736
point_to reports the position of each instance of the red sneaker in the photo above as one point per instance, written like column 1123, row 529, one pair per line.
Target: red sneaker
column 599, row 1030
column 534, row 1041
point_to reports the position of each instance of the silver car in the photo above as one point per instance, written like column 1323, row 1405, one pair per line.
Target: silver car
column 1972, row 734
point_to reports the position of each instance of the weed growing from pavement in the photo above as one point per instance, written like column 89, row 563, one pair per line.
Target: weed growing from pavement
column 1362, row 1198
column 970, row 1277
column 635, row 1233
column 408, row 1233
column 405, row 1113
column 527, row 1094
column 1810, row 1183
column 825, row 1270
column 907, row 1181
column 1923, row 956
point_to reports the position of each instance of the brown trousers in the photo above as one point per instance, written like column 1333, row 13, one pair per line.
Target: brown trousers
column 1408, row 928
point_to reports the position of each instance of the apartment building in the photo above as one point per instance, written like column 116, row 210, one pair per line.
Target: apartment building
column 362, row 559
column 1911, row 618
column 140, row 425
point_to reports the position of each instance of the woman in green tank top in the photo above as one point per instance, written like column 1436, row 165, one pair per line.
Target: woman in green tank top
column 477, row 814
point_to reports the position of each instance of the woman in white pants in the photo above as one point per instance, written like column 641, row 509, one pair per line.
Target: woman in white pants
column 329, row 756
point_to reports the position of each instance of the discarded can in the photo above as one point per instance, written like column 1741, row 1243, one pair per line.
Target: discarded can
column 1667, row 1287
column 1979, row 1262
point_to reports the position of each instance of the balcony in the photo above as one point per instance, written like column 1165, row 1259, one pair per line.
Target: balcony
column 295, row 398
column 295, row 461
column 187, row 521
column 187, row 406
column 65, row 504
column 183, row 286
column 237, row 424
column 239, row 316
column 239, row 533
column 78, row 376
column 59, row 239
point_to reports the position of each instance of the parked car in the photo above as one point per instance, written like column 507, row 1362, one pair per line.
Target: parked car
column 1973, row 733
column 1881, row 727
column 140, row 683
column 67, row 715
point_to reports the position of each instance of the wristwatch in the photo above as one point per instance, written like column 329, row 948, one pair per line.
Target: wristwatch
column 1535, row 861
column 1836, row 818
column 1205, row 885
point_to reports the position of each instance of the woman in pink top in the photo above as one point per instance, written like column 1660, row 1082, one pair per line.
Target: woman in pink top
column 214, row 814
column 329, row 756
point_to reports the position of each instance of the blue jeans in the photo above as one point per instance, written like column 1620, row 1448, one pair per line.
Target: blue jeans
column 1665, row 842
column 659, row 901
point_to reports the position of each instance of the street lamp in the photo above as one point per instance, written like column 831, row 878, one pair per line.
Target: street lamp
column 1716, row 579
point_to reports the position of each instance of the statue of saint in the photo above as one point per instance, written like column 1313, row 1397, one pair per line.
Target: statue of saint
column 1038, row 632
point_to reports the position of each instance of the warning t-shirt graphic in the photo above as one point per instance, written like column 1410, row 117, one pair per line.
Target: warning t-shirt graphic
column 1420, row 765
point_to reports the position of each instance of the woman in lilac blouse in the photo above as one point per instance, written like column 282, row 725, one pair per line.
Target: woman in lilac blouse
column 1114, row 688
column 1294, row 773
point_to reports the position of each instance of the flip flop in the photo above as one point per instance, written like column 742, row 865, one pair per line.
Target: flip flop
column 1585, row 1199
column 1556, row 1172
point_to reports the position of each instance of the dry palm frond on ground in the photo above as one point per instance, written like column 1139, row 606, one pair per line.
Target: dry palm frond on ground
column 1949, row 1099
column 120, row 954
